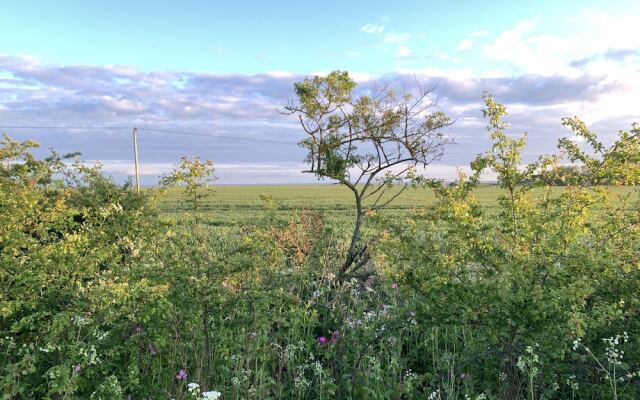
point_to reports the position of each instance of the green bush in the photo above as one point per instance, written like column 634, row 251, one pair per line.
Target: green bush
column 521, row 282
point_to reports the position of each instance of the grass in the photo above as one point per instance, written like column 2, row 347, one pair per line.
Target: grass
column 229, row 208
column 291, row 197
column 319, row 197
column 232, row 207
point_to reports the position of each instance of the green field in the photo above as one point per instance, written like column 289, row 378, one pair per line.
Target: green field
column 231, row 207
column 332, row 199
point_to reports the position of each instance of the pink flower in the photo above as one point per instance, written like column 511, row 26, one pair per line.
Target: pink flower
column 322, row 340
column 77, row 368
column 394, row 285
column 182, row 375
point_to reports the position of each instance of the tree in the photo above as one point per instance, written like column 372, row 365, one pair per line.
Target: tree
column 366, row 142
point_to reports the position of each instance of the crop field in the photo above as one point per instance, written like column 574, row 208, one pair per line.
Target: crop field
column 236, row 205
column 228, row 208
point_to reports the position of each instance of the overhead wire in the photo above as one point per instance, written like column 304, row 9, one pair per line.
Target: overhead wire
column 189, row 133
column 171, row 131
column 215, row 136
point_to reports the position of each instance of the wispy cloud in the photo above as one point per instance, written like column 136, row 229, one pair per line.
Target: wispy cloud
column 604, row 89
column 397, row 37
column 464, row 45
column 403, row 52
column 372, row 29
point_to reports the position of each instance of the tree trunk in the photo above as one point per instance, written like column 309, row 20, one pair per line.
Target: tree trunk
column 353, row 252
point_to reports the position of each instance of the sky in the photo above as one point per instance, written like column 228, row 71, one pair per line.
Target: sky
column 225, row 68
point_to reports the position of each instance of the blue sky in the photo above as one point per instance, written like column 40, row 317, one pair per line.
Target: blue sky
column 224, row 67
column 256, row 36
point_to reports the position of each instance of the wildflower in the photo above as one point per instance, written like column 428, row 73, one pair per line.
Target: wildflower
column 394, row 285
column 322, row 340
column 463, row 376
column 77, row 368
column 213, row 395
column 334, row 337
column 138, row 329
column 152, row 350
column 192, row 387
column 576, row 344
column 182, row 375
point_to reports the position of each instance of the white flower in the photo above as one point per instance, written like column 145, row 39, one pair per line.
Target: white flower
column 191, row 387
column 214, row 395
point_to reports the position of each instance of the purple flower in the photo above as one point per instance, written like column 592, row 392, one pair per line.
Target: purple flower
column 77, row 368
column 138, row 329
column 322, row 340
column 334, row 337
column 152, row 350
column 182, row 375
column 463, row 376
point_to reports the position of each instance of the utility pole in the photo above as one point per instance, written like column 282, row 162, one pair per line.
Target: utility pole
column 135, row 158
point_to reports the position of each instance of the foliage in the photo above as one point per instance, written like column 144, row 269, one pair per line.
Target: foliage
column 546, row 268
column 516, row 291
column 367, row 143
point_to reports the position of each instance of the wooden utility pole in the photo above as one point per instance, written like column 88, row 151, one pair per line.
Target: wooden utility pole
column 135, row 158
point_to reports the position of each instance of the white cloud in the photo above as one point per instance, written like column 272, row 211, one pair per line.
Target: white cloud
column 577, row 139
column 279, row 74
column 403, row 52
column 372, row 29
column 464, row 45
column 360, row 77
column 509, row 44
column 397, row 37
column 602, row 87
column 458, row 74
column 598, row 45
column 592, row 34
column 440, row 55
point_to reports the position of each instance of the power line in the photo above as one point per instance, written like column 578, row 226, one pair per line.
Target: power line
column 65, row 127
column 215, row 136
column 171, row 131
column 180, row 132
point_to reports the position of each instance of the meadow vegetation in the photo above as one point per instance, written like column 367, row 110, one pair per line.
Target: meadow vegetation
column 521, row 290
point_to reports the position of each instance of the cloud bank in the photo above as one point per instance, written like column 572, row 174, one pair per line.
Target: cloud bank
column 551, row 79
